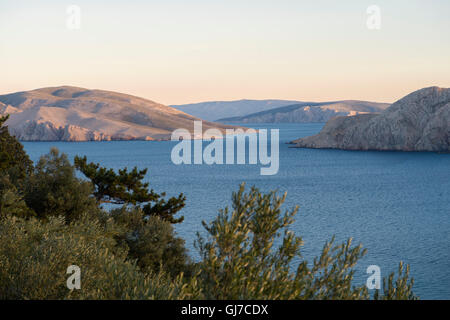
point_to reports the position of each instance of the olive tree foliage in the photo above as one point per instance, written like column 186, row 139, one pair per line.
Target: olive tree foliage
column 241, row 261
column 11, row 200
column 34, row 256
column 52, row 189
column 151, row 241
column 397, row 289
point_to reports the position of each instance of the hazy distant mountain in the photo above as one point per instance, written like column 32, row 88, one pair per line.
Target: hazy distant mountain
column 418, row 122
column 77, row 114
column 215, row 110
column 310, row 112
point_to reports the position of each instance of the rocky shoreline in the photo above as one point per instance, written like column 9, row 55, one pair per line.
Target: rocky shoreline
column 418, row 122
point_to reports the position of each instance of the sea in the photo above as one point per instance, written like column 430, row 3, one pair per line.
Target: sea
column 396, row 204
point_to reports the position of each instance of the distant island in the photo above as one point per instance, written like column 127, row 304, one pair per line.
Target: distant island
column 303, row 112
column 418, row 122
column 215, row 110
column 76, row 114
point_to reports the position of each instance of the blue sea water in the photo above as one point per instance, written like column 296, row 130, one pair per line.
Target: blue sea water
column 396, row 204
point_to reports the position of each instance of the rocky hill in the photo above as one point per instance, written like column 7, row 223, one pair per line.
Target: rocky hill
column 310, row 112
column 77, row 114
column 214, row 110
column 418, row 122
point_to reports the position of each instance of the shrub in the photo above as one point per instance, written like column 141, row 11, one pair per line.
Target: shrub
column 152, row 242
column 239, row 260
column 34, row 256
column 11, row 202
column 52, row 189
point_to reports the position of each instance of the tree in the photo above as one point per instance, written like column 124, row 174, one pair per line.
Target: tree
column 52, row 189
column 14, row 167
column 152, row 242
column 127, row 187
column 240, row 261
column 34, row 255
column 11, row 202
column 13, row 160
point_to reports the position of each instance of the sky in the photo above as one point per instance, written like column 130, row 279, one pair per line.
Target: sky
column 177, row 52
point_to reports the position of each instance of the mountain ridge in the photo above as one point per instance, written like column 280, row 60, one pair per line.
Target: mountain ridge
column 67, row 113
column 310, row 112
column 214, row 110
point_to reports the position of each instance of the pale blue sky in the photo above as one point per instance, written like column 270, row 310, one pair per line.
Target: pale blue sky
column 188, row 51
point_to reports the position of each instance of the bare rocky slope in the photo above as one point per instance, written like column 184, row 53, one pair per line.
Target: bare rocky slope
column 214, row 110
column 77, row 114
column 418, row 122
column 310, row 112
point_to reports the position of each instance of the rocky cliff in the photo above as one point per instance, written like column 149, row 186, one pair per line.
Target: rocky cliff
column 418, row 122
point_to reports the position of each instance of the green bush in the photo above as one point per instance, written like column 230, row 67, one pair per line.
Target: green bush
column 152, row 242
column 11, row 202
column 34, row 256
column 52, row 189
column 239, row 260
column 14, row 162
